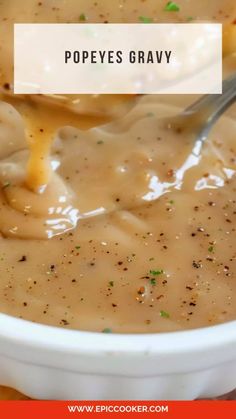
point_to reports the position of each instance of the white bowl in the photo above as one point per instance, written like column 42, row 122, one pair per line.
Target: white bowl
column 46, row 362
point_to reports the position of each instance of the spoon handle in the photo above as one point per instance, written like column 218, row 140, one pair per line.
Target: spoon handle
column 211, row 107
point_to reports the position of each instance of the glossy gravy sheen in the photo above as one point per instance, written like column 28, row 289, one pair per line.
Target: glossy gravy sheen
column 102, row 227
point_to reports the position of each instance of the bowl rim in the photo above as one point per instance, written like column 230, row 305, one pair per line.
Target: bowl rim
column 38, row 335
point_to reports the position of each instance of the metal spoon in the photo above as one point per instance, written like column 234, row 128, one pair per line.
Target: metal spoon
column 197, row 120
column 200, row 117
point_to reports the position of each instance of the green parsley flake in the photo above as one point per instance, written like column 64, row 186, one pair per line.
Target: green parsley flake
column 77, row 247
column 100, row 142
column 82, row 17
column 171, row 202
column 107, row 330
column 164, row 314
column 171, row 6
column 158, row 272
column 145, row 19
column 210, row 249
column 111, row 283
column 153, row 281
column 151, row 259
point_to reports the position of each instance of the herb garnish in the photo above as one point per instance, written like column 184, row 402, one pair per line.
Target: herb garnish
column 111, row 283
column 145, row 19
column 153, row 281
column 171, row 6
column 164, row 314
column 82, row 17
column 107, row 330
column 210, row 249
column 77, row 247
column 158, row 272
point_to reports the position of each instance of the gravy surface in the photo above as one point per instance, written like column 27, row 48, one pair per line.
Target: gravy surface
column 102, row 226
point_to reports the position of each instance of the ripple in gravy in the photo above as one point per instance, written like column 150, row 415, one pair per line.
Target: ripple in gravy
column 102, row 226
